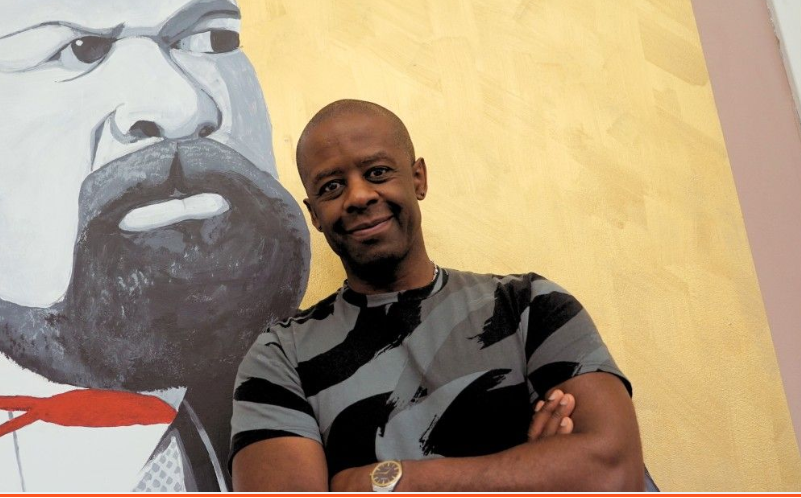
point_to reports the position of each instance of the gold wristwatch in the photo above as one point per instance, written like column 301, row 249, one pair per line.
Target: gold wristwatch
column 385, row 476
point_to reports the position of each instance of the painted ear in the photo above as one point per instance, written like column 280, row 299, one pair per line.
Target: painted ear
column 312, row 215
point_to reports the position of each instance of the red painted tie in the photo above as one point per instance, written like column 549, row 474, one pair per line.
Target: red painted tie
column 87, row 408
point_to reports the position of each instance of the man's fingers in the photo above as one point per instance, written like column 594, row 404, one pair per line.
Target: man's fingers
column 535, row 427
column 565, row 426
column 563, row 408
column 543, row 412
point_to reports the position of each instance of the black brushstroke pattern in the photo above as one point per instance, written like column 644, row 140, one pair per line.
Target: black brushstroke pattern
column 547, row 314
column 548, row 376
column 246, row 438
column 482, row 420
column 277, row 344
column 375, row 331
column 351, row 439
column 319, row 311
column 361, row 300
column 511, row 298
column 263, row 391
column 421, row 392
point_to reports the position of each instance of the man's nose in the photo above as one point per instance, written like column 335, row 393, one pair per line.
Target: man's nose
column 360, row 194
column 160, row 98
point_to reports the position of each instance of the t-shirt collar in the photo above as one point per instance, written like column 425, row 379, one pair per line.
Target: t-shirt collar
column 372, row 300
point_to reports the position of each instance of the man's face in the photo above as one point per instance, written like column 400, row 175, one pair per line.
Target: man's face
column 138, row 200
column 363, row 189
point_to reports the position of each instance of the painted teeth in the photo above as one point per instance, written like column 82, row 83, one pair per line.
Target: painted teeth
column 162, row 214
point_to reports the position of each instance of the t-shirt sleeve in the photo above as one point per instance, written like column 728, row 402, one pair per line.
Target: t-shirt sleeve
column 562, row 340
column 268, row 398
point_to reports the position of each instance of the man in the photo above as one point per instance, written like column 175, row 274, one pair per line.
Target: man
column 145, row 240
column 409, row 361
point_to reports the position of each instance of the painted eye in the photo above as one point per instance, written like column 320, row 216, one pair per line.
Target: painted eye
column 214, row 41
column 84, row 52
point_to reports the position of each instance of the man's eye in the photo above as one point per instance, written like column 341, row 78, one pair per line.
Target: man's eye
column 376, row 173
column 82, row 53
column 215, row 41
column 330, row 187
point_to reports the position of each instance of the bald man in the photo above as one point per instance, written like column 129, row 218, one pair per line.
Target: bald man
column 413, row 377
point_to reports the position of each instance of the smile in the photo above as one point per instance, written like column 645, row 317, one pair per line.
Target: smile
column 371, row 228
column 162, row 214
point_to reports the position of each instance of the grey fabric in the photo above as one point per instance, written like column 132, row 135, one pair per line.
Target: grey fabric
column 403, row 375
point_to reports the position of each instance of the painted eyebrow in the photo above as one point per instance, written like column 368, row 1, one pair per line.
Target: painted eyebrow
column 65, row 24
column 188, row 17
column 177, row 23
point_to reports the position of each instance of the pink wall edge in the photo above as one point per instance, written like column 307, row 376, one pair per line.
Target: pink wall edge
column 763, row 140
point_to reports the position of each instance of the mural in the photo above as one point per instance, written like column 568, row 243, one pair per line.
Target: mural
column 144, row 241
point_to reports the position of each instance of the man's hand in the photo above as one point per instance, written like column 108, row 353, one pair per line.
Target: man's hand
column 552, row 415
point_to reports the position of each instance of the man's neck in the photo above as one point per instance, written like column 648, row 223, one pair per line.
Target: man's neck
column 412, row 272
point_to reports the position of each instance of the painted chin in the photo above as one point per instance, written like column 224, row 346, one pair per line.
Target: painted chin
column 141, row 300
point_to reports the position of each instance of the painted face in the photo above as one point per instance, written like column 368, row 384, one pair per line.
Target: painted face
column 363, row 190
column 139, row 210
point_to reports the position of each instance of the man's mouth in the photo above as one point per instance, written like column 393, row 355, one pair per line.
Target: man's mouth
column 165, row 213
column 370, row 228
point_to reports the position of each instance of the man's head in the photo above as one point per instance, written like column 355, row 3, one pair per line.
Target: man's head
column 138, row 199
column 363, row 184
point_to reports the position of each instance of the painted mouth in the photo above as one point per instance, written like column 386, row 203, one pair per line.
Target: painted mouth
column 146, row 287
column 165, row 213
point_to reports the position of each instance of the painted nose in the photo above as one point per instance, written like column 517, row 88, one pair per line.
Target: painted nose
column 148, row 129
column 161, row 99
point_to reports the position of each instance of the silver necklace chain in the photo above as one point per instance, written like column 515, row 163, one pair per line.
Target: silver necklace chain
column 436, row 271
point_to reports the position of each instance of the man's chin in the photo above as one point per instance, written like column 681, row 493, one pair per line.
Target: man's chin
column 176, row 304
column 377, row 262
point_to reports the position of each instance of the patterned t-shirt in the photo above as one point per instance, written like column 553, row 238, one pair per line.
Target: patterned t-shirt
column 450, row 369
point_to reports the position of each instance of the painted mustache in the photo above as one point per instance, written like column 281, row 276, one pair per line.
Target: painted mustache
column 150, row 309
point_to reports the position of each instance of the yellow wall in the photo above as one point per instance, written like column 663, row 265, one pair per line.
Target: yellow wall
column 578, row 139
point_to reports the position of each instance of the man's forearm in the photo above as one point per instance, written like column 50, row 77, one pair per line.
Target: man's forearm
column 564, row 463
column 603, row 454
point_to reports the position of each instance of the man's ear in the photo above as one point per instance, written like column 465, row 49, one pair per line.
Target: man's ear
column 420, row 178
column 313, row 216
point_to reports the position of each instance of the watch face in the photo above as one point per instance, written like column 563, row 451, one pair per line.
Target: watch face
column 385, row 473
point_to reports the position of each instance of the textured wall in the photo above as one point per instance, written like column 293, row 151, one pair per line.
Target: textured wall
column 578, row 139
column 760, row 125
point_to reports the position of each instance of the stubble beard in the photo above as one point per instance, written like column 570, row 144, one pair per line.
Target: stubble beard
column 377, row 266
column 380, row 269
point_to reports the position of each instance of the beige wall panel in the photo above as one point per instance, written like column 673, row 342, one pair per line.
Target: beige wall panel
column 578, row 139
